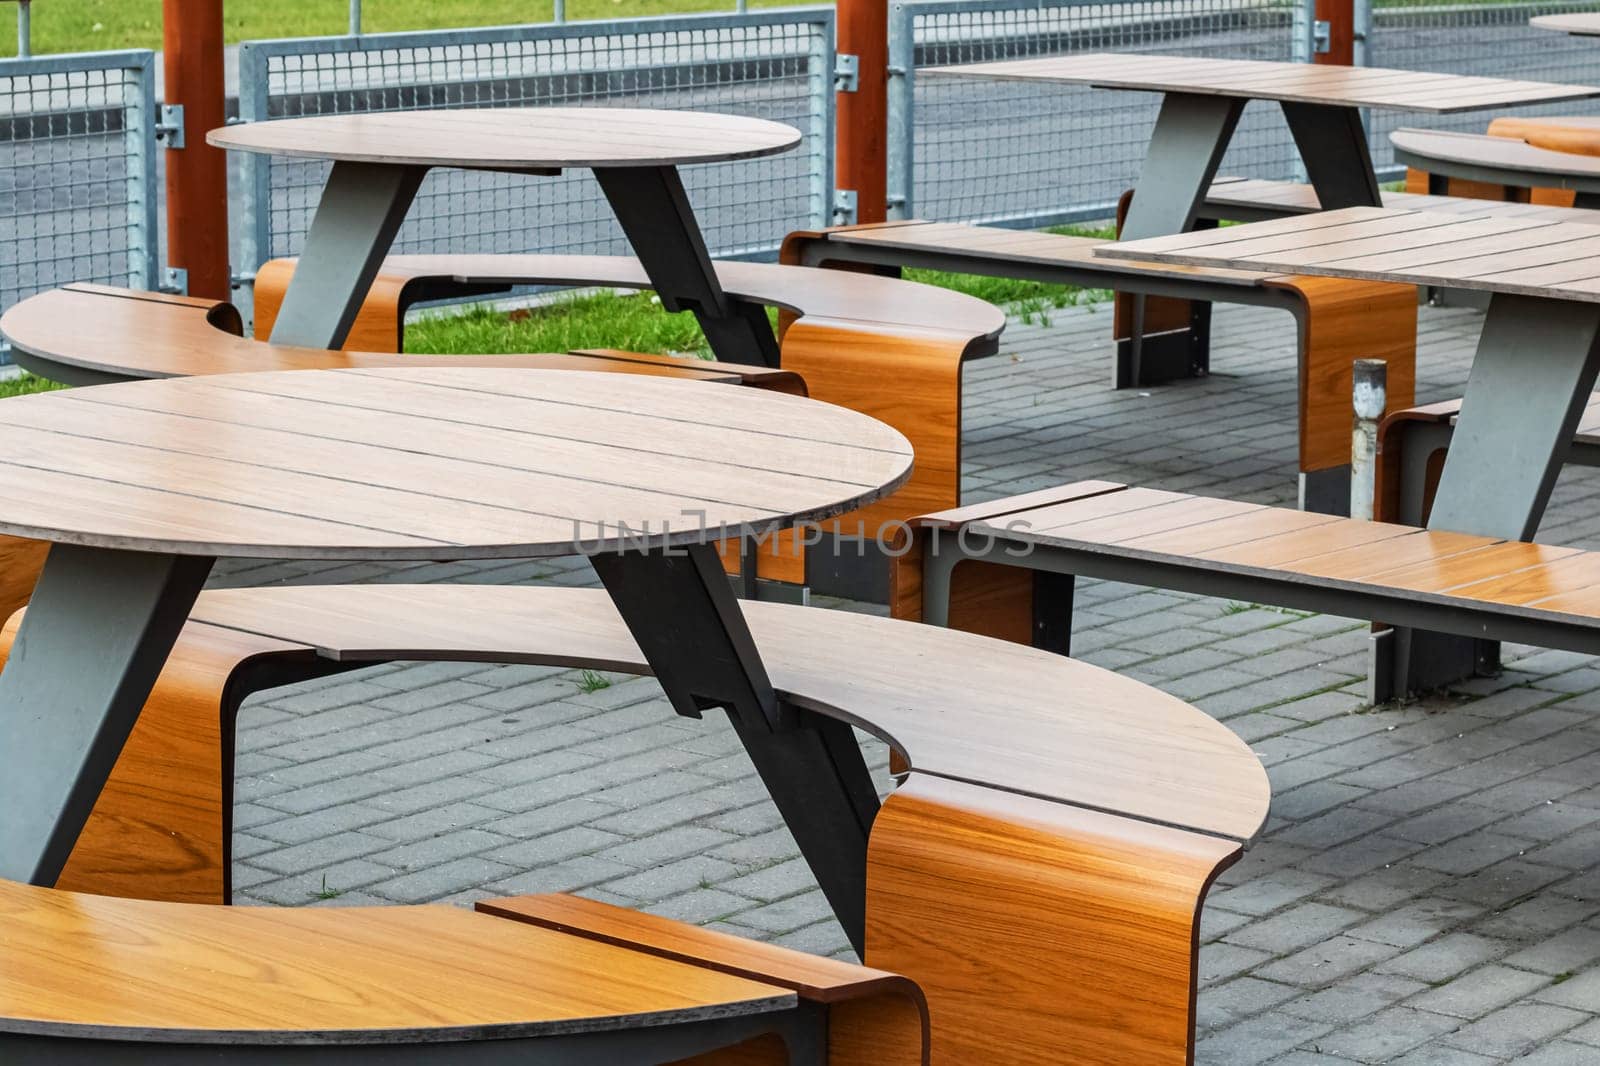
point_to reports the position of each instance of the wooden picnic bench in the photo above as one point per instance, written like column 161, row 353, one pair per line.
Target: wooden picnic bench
column 1497, row 160
column 1337, row 322
column 97, row 979
column 893, row 349
column 1059, row 827
column 1006, row 567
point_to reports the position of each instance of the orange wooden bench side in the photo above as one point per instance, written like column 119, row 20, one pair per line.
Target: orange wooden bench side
column 1039, row 932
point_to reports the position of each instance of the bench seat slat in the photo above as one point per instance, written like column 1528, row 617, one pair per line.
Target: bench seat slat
column 1235, row 531
column 1044, row 520
column 1390, row 553
column 1287, row 549
column 1571, row 574
column 1176, row 515
column 1465, row 568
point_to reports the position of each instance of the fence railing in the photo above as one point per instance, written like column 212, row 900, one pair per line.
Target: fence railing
column 776, row 65
column 1024, row 154
column 77, row 172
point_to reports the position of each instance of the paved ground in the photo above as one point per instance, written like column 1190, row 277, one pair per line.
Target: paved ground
column 1428, row 891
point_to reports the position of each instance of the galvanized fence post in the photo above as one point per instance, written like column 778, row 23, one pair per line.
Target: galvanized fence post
column 355, row 18
column 143, row 215
column 24, row 29
column 820, row 64
column 255, row 207
column 1370, row 397
column 902, row 110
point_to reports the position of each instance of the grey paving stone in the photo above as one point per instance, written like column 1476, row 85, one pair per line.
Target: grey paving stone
column 1387, row 1034
column 1294, row 928
column 1474, row 994
column 1444, row 958
column 1516, row 1030
column 1257, row 1040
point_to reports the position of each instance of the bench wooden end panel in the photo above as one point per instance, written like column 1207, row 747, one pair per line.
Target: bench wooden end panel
column 875, row 1017
column 1040, row 933
column 20, row 563
column 379, row 326
column 990, row 599
column 1344, row 321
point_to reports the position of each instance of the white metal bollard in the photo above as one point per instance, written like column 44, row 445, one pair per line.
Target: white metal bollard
column 1370, row 393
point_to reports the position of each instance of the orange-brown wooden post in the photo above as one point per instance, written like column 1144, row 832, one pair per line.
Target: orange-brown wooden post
column 1340, row 17
column 197, row 174
column 862, row 142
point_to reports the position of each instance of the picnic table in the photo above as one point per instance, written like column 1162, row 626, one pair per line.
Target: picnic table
column 1537, row 357
column 1203, row 98
column 642, row 474
column 380, row 159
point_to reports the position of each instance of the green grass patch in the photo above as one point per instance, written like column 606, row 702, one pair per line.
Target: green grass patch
column 634, row 322
column 593, row 682
column 95, row 25
column 26, row 383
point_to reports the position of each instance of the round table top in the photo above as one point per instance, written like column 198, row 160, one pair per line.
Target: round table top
column 519, row 138
column 429, row 463
column 1580, row 23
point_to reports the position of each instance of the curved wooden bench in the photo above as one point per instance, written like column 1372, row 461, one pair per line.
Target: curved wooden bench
column 1497, row 160
column 1338, row 321
column 1094, row 811
column 87, row 978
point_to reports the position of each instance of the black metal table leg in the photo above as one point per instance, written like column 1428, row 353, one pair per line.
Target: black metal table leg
column 679, row 607
column 655, row 213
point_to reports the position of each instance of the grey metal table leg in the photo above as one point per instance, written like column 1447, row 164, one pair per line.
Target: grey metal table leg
column 1190, row 136
column 361, row 210
column 1333, row 145
column 681, row 610
column 96, row 635
column 655, row 213
column 1530, row 381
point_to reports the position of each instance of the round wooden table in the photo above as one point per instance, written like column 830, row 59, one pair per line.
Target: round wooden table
column 1577, row 23
column 380, row 158
column 140, row 486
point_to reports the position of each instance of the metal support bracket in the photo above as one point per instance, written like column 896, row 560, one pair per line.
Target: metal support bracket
column 846, row 73
column 844, row 207
column 1321, row 37
column 175, row 280
column 169, row 127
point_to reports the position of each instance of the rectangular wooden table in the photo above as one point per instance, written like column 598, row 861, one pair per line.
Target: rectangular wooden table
column 1204, row 98
column 1537, row 357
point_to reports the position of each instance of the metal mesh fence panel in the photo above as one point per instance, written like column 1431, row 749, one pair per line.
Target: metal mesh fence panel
column 770, row 65
column 1491, row 40
column 77, row 172
column 1029, row 154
